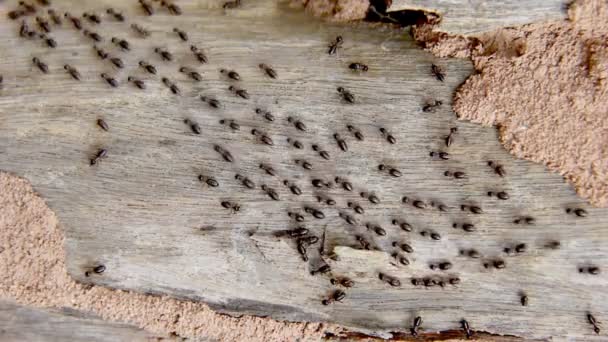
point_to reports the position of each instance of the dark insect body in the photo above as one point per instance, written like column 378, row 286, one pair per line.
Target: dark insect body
column 231, row 4
column 438, row 72
column 137, row 82
column 181, row 34
column 41, row 65
column 333, row 47
column 268, row 70
column 200, row 56
column 346, row 95
column 431, row 106
column 143, row 32
column 73, row 72
column 358, row 67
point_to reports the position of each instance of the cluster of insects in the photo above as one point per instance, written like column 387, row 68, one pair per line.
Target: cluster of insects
column 303, row 240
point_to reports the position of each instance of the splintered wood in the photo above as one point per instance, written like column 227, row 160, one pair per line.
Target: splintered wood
column 268, row 164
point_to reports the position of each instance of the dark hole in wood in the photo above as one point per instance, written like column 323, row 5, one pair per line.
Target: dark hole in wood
column 377, row 13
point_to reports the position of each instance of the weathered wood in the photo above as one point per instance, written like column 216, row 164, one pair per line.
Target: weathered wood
column 475, row 16
column 143, row 213
column 19, row 323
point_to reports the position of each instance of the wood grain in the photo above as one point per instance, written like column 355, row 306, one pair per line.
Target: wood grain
column 143, row 213
column 20, row 323
column 477, row 16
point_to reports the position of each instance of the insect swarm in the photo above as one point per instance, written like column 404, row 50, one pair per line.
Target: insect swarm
column 373, row 135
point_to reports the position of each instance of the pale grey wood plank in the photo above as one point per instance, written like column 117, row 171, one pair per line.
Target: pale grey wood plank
column 21, row 323
column 141, row 210
column 468, row 17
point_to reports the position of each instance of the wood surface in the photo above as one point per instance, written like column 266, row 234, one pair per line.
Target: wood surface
column 477, row 16
column 20, row 323
column 143, row 213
